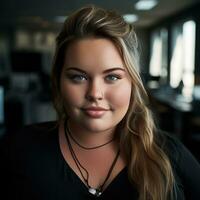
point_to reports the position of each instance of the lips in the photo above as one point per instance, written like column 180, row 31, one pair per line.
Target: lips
column 95, row 112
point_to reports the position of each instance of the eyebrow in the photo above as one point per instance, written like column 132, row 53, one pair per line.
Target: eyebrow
column 106, row 71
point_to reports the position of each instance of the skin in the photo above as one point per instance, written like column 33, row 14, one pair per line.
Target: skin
column 94, row 75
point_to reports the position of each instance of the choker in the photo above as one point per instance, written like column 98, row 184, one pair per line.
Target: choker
column 93, row 191
column 87, row 148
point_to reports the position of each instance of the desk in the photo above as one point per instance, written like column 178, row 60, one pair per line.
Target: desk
column 179, row 106
column 180, row 113
column 176, row 101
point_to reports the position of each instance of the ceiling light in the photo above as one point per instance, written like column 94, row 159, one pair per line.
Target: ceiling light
column 130, row 18
column 145, row 4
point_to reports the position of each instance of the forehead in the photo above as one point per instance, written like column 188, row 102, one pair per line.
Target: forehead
column 93, row 53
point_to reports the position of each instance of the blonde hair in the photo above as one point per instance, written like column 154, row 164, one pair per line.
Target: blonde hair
column 149, row 167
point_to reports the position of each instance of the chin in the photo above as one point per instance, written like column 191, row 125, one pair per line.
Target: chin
column 98, row 126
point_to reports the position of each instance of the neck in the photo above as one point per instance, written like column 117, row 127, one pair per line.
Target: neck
column 90, row 138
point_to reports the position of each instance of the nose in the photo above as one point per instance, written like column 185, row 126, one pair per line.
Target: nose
column 95, row 91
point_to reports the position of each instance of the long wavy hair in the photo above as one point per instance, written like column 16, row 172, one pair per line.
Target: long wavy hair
column 149, row 167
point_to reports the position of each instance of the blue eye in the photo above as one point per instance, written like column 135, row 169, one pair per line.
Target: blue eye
column 112, row 78
column 77, row 78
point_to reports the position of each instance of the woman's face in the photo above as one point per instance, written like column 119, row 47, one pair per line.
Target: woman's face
column 95, row 85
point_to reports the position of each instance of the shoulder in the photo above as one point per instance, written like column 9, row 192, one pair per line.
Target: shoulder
column 39, row 128
column 36, row 130
column 29, row 137
column 185, row 166
column 174, row 148
column 33, row 145
column 27, row 154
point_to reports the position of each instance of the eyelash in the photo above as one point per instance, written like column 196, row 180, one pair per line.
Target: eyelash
column 77, row 78
column 116, row 77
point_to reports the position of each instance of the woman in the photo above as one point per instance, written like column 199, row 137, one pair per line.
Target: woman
column 105, row 144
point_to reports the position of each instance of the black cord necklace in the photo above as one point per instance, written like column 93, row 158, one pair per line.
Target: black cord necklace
column 94, row 191
column 88, row 148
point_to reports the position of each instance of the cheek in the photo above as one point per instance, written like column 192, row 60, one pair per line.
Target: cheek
column 70, row 94
column 120, row 96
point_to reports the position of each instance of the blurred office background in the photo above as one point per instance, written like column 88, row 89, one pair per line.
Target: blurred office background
column 169, row 36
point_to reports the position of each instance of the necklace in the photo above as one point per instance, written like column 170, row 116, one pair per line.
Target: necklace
column 87, row 148
column 94, row 191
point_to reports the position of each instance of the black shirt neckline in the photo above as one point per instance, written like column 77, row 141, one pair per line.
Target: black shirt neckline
column 71, row 174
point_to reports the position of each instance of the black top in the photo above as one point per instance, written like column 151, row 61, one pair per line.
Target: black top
column 33, row 168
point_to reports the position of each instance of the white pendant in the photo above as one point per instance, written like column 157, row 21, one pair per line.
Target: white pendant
column 94, row 192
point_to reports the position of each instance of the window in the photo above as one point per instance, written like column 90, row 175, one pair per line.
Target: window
column 158, row 57
column 182, row 61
